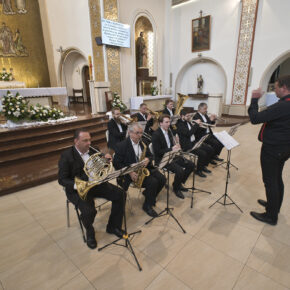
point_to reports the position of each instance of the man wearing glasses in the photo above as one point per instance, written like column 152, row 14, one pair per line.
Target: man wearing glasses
column 130, row 151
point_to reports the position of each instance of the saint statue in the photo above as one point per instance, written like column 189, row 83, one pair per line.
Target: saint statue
column 6, row 40
column 199, row 84
column 141, row 54
column 21, row 6
column 7, row 7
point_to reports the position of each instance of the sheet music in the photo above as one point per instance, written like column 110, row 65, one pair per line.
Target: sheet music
column 228, row 141
column 173, row 119
column 168, row 156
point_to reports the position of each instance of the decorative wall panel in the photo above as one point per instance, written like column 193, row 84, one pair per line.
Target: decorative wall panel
column 22, row 44
column 98, row 57
column 113, row 53
column 244, row 51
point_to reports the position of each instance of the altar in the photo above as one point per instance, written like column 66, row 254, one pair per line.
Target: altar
column 42, row 96
column 11, row 85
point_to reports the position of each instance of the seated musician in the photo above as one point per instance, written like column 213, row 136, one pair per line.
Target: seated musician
column 186, row 131
column 70, row 165
column 169, row 110
column 131, row 151
column 163, row 141
column 117, row 129
column 211, row 140
column 143, row 115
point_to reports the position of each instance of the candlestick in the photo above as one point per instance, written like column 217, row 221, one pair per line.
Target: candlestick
column 9, row 62
column 2, row 61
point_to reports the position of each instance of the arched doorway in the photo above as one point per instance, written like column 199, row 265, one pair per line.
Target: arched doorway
column 73, row 72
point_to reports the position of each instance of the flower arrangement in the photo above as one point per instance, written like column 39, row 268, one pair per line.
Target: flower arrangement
column 5, row 76
column 44, row 113
column 14, row 108
column 117, row 103
column 154, row 90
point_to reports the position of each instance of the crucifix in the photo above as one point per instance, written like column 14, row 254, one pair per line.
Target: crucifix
column 60, row 50
column 200, row 12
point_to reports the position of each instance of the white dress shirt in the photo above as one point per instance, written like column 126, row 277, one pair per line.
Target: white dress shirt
column 137, row 150
column 192, row 137
column 170, row 112
column 205, row 121
column 166, row 138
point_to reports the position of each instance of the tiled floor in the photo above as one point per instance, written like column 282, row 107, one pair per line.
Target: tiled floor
column 222, row 249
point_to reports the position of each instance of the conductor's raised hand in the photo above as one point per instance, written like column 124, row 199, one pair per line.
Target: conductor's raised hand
column 257, row 94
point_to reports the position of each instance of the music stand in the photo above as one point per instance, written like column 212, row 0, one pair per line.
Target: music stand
column 166, row 160
column 232, row 131
column 194, row 157
column 126, row 236
column 229, row 143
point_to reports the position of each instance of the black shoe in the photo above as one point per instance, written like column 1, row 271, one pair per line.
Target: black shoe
column 213, row 162
column 206, row 170
column 182, row 188
column 218, row 159
column 262, row 217
column 91, row 239
column 115, row 231
column 179, row 194
column 262, row 202
column 149, row 210
column 199, row 173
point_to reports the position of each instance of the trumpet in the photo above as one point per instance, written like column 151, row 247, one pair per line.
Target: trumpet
column 126, row 120
column 202, row 124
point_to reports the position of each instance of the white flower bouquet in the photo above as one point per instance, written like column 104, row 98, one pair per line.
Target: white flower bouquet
column 117, row 103
column 5, row 76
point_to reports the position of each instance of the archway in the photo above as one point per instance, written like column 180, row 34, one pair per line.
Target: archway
column 214, row 75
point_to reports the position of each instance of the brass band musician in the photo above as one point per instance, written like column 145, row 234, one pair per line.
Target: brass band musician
column 132, row 150
column 71, row 165
column 163, row 141
column 117, row 129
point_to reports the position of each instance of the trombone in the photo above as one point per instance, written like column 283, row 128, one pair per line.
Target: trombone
column 126, row 120
column 202, row 124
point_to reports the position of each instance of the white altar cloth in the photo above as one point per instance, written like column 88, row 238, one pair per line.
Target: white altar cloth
column 36, row 92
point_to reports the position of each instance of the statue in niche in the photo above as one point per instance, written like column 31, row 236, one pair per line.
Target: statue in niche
column 141, row 51
column 7, row 7
column 21, row 6
column 199, row 84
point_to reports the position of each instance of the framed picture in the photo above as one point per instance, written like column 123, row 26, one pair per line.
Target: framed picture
column 201, row 33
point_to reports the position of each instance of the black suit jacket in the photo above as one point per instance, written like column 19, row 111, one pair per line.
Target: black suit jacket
column 115, row 136
column 125, row 155
column 202, row 131
column 184, row 134
column 166, row 112
column 71, row 165
column 160, row 145
column 149, row 123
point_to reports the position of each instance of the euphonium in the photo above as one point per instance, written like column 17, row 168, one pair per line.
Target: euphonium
column 96, row 168
column 142, row 172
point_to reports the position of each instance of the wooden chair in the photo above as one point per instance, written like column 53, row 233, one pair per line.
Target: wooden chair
column 109, row 99
column 76, row 95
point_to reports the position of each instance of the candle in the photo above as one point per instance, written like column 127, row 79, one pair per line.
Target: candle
column 9, row 62
column 2, row 61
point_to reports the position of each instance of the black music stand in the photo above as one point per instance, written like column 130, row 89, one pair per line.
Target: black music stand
column 232, row 131
column 126, row 236
column 229, row 144
column 194, row 158
column 166, row 160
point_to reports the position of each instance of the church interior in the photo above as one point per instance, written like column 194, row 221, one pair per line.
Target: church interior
column 66, row 65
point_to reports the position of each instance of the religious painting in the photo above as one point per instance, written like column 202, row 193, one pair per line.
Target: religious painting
column 11, row 43
column 201, row 33
column 7, row 9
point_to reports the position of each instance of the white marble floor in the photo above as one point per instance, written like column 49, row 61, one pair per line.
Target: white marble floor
column 222, row 248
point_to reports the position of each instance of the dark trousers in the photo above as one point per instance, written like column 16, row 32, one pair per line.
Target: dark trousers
column 182, row 169
column 215, row 144
column 88, row 210
column 205, row 154
column 153, row 185
column 273, row 159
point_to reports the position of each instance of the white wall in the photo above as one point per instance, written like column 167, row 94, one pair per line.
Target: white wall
column 128, row 10
column 225, row 20
column 271, row 43
column 65, row 23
